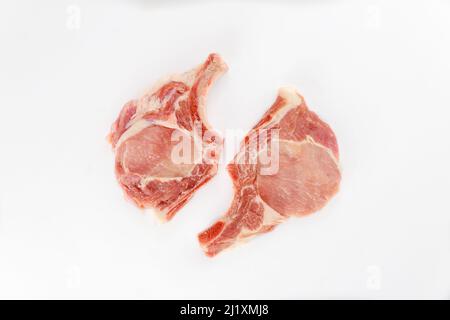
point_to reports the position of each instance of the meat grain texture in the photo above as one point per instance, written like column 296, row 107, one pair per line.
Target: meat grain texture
column 148, row 131
column 306, row 176
column 287, row 165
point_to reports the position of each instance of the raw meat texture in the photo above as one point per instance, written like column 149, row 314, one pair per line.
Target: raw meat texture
column 148, row 133
column 297, row 182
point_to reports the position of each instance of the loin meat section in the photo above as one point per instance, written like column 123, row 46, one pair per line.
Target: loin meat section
column 287, row 165
column 164, row 147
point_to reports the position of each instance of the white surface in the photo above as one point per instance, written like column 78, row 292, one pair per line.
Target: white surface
column 377, row 71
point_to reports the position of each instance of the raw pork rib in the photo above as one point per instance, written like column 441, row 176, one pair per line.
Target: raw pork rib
column 305, row 177
column 149, row 130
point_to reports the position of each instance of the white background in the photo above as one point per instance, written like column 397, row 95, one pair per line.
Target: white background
column 377, row 71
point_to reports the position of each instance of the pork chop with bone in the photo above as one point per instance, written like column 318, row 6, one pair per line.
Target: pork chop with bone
column 154, row 165
column 287, row 166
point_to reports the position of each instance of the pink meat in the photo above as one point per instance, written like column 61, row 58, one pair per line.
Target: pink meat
column 300, row 180
column 149, row 130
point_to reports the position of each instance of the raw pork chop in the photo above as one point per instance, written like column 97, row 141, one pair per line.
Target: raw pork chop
column 301, row 176
column 155, row 169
